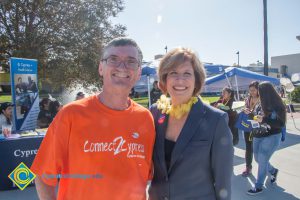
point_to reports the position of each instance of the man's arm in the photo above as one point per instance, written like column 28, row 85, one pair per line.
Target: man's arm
column 45, row 192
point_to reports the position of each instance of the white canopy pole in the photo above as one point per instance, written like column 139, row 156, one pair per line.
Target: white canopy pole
column 148, row 83
column 237, row 88
column 228, row 80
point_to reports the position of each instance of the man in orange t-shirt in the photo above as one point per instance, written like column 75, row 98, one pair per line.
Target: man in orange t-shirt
column 100, row 147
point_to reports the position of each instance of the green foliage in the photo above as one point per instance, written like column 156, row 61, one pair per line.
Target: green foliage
column 66, row 37
column 211, row 99
column 295, row 95
column 5, row 98
column 142, row 101
column 4, row 78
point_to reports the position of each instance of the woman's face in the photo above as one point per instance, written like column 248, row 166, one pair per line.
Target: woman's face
column 253, row 92
column 8, row 112
column 225, row 94
column 46, row 105
column 180, row 83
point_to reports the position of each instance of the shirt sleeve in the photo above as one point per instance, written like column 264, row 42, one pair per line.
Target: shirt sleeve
column 52, row 157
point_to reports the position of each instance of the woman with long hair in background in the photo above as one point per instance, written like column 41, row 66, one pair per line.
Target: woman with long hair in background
column 265, row 143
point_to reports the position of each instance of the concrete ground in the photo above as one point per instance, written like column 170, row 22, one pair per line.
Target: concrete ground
column 286, row 159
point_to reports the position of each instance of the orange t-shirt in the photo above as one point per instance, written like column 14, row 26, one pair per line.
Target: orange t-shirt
column 98, row 152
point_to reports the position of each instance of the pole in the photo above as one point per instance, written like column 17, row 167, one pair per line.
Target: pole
column 237, row 88
column 149, row 95
column 238, row 55
column 265, row 39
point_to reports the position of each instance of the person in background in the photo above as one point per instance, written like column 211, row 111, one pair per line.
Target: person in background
column 272, row 116
column 32, row 85
column 25, row 104
column 133, row 94
column 79, row 95
column 54, row 107
column 225, row 103
column 155, row 93
column 282, row 91
column 107, row 137
column 6, row 115
column 44, row 117
column 21, row 87
column 193, row 152
column 252, row 107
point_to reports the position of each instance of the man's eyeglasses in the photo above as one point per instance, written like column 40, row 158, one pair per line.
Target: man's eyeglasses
column 114, row 61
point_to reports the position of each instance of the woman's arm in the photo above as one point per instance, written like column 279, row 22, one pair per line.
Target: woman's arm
column 222, row 159
column 273, row 121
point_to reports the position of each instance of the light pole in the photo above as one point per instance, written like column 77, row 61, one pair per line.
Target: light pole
column 265, row 39
column 238, row 56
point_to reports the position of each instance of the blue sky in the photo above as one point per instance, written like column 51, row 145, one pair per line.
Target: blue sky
column 215, row 29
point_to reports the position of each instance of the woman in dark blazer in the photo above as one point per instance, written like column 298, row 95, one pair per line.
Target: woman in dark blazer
column 193, row 152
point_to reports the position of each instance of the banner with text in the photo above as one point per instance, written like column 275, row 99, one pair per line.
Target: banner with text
column 25, row 96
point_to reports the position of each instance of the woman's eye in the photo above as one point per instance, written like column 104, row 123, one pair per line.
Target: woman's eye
column 187, row 74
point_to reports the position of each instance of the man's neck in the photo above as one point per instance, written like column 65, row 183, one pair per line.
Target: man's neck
column 114, row 101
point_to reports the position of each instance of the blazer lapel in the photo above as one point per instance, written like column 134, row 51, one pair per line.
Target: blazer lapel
column 189, row 129
column 160, row 138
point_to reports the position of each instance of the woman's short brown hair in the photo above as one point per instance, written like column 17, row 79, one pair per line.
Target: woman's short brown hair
column 176, row 57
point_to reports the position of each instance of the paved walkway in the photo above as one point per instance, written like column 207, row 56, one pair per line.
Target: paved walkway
column 286, row 159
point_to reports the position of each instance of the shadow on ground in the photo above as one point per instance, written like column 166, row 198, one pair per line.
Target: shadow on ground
column 240, row 186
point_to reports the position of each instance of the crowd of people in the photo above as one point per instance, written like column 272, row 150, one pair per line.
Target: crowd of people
column 49, row 109
column 183, row 145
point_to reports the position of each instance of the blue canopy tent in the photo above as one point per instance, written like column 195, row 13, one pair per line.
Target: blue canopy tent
column 214, row 69
column 236, row 78
column 148, row 70
column 148, row 76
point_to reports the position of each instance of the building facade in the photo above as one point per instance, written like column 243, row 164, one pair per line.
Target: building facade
column 286, row 64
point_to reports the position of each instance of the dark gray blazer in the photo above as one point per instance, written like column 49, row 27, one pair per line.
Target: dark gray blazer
column 202, row 159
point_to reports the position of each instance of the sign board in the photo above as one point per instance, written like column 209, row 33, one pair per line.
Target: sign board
column 25, row 96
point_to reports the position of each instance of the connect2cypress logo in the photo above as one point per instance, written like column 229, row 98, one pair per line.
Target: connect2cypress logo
column 21, row 176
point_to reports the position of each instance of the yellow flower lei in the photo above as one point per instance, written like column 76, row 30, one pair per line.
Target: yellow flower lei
column 164, row 104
